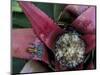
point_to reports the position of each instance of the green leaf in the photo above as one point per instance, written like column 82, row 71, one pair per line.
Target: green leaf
column 58, row 8
column 19, row 20
column 46, row 7
column 17, row 65
column 15, row 6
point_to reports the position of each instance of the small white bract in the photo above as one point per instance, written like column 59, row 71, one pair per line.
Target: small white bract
column 70, row 50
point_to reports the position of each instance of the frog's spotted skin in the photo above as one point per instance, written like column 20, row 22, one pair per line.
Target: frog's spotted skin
column 70, row 50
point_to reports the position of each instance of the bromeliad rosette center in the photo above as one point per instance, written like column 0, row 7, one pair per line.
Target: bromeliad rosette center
column 69, row 50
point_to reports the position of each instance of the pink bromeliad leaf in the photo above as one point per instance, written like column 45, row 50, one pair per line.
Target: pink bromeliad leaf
column 21, row 39
column 43, row 26
column 89, row 40
column 71, row 12
column 76, row 9
column 85, row 23
column 90, row 66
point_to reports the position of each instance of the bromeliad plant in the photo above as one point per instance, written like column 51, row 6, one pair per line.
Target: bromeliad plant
column 64, row 48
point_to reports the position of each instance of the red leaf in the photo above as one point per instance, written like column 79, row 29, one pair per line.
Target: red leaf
column 43, row 26
column 76, row 9
column 21, row 39
column 90, row 66
column 85, row 23
column 90, row 42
